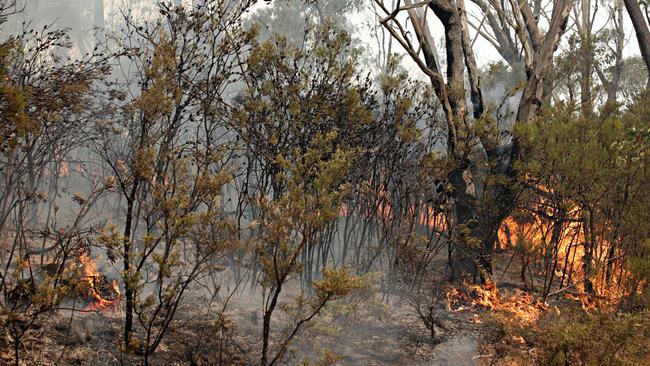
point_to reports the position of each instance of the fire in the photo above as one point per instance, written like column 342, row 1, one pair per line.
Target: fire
column 92, row 278
column 523, row 306
column 539, row 232
column 536, row 230
column 589, row 303
column 381, row 208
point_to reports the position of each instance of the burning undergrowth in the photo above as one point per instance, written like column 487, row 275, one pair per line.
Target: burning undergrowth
column 565, row 256
column 101, row 293
column 521, row 305
column 80, row 280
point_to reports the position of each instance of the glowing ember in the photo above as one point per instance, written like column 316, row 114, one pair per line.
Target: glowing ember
column 97, row 290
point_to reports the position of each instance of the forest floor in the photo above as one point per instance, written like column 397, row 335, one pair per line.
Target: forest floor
column 380, row 333
column 375, row 333
column 361, row 331
column 393, row 336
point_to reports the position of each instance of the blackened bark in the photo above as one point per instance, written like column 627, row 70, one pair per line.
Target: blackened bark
column 463, row 250
column 129, row 290
column 466, row 250
column 590, row 244
column 129, row 285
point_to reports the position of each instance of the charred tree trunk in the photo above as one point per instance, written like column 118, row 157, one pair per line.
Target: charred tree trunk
column 476, row 223
column 474, row 234
column 466, row 249
column 590, row 245
column 129, row 290
column 446, row 12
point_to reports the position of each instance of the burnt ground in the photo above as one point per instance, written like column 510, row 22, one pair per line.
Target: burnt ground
column 360, row 331
column 366, row 333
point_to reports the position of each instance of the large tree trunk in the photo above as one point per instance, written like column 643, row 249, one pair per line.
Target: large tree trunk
column 532, row 96
column 470, row 247
column 465, row 246
column 641, row 29
column 446, row 12
column 470, row 61
column 475, row 222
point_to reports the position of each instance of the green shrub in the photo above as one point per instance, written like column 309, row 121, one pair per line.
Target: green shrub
column 574, row 337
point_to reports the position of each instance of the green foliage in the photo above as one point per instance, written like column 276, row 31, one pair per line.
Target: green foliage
column 316, row 141
column 579, row 150
column 570, row 336
column 303, row 117
column 172, row 166
column 39, row 97
column 592, row 161
column 278, row 18
column 15, row 121
column 293, row 95
column 595, row 167
column 326, row 358
column 337, row 283
column 575, row 337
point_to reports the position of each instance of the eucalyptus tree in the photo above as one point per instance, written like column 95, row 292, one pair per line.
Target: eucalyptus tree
column 480, row 203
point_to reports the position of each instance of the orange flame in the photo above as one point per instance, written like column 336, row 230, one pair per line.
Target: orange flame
column 523, row 306
column 91, row 277
column 382, row 209
column 536, row 232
